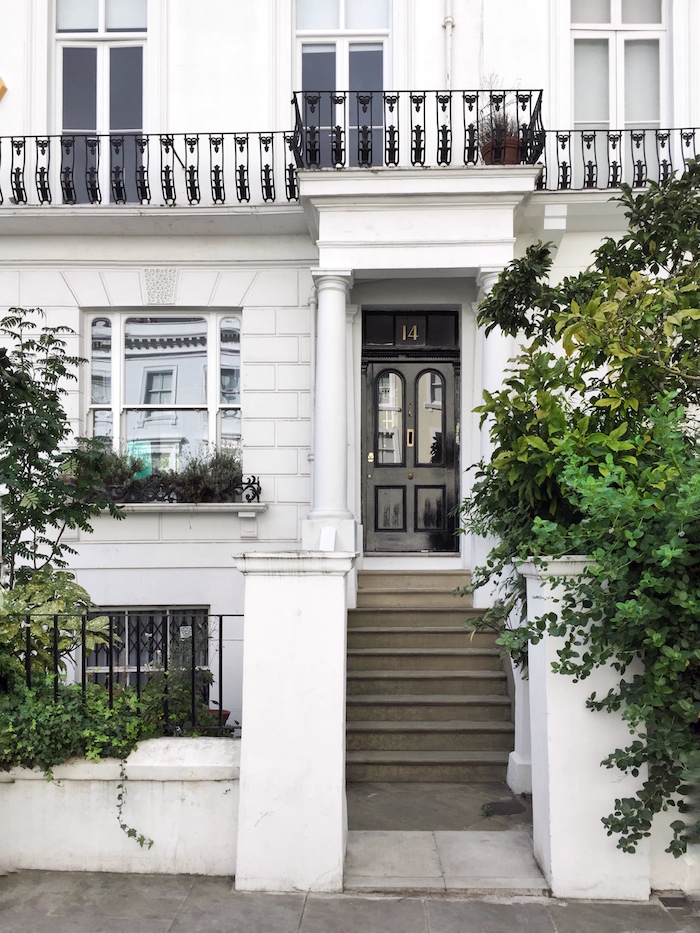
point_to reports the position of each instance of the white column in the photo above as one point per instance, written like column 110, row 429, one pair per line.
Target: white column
column 571, row 792
column 292, row 821
column 330, row 413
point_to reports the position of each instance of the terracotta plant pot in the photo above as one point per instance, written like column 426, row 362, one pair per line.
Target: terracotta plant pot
column 505, row 154
column 225, row 713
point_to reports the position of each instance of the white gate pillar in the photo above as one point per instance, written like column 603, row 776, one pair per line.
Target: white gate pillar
column 329, row 507
column 292, row 820
column 571, row 792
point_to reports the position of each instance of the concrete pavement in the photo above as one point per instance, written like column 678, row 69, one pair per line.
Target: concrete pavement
column 73, row 902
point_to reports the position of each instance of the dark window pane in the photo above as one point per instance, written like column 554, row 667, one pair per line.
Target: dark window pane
column 442, row 330
column 79, row 89
column 429, row 418
column 101, row 382
column 379, row 330
column 366, row 68
column 126, row 89
column 389, row 418
column 318, row 68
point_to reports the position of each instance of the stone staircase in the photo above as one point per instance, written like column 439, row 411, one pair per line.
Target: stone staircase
column 425, row 702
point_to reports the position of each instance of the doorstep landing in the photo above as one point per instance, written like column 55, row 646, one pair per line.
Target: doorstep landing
column 433, row 862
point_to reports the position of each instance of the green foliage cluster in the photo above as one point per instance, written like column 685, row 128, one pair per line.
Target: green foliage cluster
column 51, row 486
column 596, row 454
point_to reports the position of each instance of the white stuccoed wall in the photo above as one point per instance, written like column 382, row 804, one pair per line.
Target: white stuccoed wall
column 182, row 793
column 570, row 790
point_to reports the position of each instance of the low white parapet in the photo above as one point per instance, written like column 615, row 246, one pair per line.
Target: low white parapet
column 182, row 793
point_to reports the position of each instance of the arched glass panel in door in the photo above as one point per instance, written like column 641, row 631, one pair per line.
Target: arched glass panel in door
column 430, row 419
column 389, row 418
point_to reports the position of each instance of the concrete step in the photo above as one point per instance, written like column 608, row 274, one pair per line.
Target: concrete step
column 444, row 580
column 457, row 682
column 446, row 735
column 410, row 597
column 424, row 659
column 406, row 617
column 419, row 707
column 426, row 766
column 396, row 636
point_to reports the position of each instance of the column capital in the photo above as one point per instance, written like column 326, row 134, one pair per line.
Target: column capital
column 332, row 278
column 486, row 278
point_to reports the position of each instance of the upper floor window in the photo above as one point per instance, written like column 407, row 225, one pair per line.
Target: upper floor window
column 343, row 47
column 100, row 89
column 163, row 386
column 619, row 49
column 343, row 44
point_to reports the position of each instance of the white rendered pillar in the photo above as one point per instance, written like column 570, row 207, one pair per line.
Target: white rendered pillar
column 497, row 350
column 292, row 820
column 330, row 410
column 571, row 792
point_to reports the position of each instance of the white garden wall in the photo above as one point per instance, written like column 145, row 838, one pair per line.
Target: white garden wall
column 182, row 793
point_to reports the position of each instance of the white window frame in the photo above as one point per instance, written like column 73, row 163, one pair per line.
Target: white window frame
column 118, row 406
column 342, row 39
column 617, row 33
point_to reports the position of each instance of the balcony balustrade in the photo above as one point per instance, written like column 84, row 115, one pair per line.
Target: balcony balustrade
column 335, row 130
column 141, row 168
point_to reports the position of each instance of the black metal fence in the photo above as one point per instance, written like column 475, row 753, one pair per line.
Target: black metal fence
column 172, row 659
column 371, row 129
column 142, row 168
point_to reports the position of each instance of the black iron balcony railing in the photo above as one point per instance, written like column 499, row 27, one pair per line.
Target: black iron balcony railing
column 373, row 129
column 141, row 168
column 335, row 130
column 597, row 159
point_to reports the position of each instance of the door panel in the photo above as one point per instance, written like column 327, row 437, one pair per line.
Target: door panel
column 410, row 454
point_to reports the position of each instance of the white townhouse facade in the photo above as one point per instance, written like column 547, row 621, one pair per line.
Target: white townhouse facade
column 270, row 224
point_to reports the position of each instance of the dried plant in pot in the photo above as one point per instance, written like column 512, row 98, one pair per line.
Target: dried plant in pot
column 499, row 135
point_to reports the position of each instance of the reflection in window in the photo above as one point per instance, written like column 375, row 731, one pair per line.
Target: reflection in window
column 159, row 388
column 175, row 345
column 160, row 410
column 389, row 418
column 429, row 414
column 101, row 360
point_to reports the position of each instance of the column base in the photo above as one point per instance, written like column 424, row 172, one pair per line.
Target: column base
column 519, row 774
column 330, row 533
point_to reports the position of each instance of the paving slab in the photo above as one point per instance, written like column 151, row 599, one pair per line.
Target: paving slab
column 364, row 915
column 487, row 862
column 392, row 861
column 429, row 806
column 220, row 909
column 465, row 916
column 588, row 917
column 126, row 897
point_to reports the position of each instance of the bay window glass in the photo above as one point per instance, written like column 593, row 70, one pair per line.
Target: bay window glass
column 163, row 406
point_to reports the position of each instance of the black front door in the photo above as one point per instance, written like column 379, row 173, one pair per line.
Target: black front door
column 410, row 454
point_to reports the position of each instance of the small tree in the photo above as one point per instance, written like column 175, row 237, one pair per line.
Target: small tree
column 594, row 454
column 53, row 485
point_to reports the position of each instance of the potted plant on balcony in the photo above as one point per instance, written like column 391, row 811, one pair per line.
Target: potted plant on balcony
column 499, row 134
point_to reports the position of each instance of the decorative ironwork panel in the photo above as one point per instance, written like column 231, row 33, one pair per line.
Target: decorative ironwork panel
column 167, row 169
column 267, row 167
column 216, row 168
column 192, row 169
column 19, row 155
column 42, row 169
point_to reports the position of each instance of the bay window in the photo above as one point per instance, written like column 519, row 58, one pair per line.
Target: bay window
column 164, row 386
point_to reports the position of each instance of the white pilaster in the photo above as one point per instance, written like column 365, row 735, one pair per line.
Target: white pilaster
column 292, row 822
column 571, row 792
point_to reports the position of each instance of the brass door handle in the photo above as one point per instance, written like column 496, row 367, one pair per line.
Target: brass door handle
column 410, row 475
